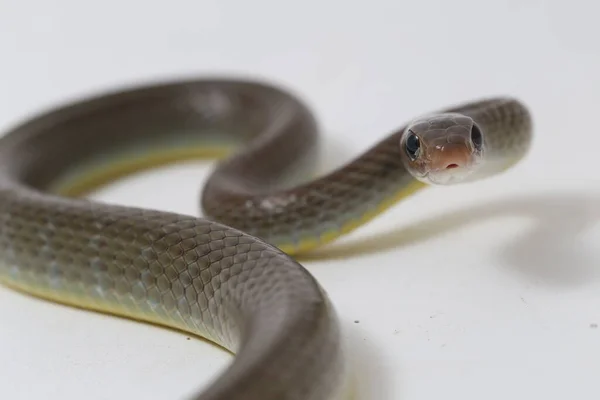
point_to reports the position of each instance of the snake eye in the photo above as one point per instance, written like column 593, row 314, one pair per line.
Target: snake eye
column 412, row 146
column 476, row 137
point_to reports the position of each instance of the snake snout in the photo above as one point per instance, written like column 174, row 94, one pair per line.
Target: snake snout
column 451, row 163
column 450, row 157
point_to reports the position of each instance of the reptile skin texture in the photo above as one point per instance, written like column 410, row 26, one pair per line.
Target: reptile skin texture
column 220, row 277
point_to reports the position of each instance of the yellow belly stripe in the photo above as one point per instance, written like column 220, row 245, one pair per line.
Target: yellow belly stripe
column 92, row 178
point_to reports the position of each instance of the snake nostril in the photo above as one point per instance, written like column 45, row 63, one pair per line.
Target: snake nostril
column 451, row 166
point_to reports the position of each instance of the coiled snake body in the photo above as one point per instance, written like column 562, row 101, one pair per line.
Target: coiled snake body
column 214, row 277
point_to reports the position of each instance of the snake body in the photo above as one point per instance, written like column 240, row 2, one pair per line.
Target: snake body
column 228, row 277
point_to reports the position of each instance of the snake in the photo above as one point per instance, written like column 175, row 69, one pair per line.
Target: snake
column 231, row 276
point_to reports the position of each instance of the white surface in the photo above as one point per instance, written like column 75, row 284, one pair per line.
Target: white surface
column 483, row 291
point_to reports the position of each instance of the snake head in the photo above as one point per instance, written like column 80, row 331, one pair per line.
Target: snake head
column 442, row 149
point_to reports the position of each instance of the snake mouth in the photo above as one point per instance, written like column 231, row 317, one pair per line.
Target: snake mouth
column 451, row 173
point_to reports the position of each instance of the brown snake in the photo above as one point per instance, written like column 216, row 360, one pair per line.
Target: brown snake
column 214, row 277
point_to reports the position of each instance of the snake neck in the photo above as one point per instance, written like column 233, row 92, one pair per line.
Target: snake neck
column 309, row 215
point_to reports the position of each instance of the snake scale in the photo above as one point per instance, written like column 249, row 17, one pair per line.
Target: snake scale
column 230, row 276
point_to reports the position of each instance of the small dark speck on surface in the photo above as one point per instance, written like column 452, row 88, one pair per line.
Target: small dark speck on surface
column 188, row 338
column 356, row 321
column 593, row 325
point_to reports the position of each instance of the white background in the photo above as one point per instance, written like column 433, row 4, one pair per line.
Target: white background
column 489, row 290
